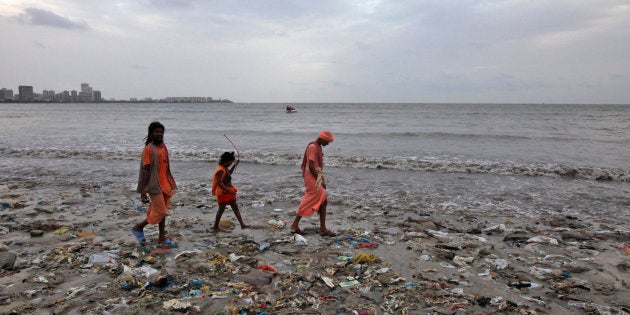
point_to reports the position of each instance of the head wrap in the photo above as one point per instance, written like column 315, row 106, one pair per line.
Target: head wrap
column 326, row 136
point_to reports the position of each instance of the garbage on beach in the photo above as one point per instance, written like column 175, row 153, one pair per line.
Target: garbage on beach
column 102, row 259
column 277, row 223
column 300, row 240
column 60, row 231
column 176, row 305
column 543, row 240
column 267, row 268
column 85, row 234
column 233, row 257
column 364, row 258
column 328, row 281
column 498, row 263
column 435, row 265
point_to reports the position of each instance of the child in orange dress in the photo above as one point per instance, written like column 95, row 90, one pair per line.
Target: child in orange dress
column 224, row 190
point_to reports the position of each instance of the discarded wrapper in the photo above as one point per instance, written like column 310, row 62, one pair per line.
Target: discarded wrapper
column 328, row 282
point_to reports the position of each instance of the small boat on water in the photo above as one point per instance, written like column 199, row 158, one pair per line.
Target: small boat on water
column 290, row 109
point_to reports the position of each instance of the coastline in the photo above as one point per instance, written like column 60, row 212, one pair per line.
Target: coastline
column 426, row 261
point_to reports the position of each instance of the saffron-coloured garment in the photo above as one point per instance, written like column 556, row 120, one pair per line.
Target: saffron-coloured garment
column 159, row 167
column 158, row 208
column 162, row 167
column 313, row 197
column 226, row 198
column 222, row 195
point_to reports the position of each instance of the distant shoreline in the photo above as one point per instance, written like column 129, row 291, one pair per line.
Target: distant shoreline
column 118, row 101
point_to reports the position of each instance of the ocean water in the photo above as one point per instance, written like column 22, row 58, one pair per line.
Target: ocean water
column 486, row 159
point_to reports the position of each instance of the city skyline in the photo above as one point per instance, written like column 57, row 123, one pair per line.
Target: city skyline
column 26, row 93
column 325, row 51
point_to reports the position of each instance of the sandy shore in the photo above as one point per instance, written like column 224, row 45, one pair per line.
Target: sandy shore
column 74, row 254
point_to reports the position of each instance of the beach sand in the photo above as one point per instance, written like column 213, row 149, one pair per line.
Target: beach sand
column 386, row 259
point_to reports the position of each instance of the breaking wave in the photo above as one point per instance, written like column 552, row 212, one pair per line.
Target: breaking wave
column 393, row 163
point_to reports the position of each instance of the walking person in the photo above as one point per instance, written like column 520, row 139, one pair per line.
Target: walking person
column 315, row 198
column 224, row 190
column 155, row 184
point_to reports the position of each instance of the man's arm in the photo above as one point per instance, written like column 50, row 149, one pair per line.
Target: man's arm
column 146, row 172
column 311, row 168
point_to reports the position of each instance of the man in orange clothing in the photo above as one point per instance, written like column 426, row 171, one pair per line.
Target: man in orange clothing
column 155, row 179
column 315, row 198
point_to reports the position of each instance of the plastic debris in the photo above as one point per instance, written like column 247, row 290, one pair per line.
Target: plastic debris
column 498, row 263
column 233, row 257
column 277, row 223
column 300, row 240
column 432, row 265
column 364, row 258
column 267, row 268
column 543, row 240
column 263, row 246
column 500, row 228
column 101, row 259
column 176, row 305
column 328, row 281
column 60, row 231
column 351, row 283
column 85, row 234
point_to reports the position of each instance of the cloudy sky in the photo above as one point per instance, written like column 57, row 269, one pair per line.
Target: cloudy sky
column 515, row 51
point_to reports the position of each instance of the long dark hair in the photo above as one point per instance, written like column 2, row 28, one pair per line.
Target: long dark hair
column 154, row 125
column 227, row 156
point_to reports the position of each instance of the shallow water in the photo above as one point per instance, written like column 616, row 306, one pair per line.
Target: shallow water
column 405, row 192
column 482, row 158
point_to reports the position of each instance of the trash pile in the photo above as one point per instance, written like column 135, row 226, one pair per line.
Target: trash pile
column 413, row 264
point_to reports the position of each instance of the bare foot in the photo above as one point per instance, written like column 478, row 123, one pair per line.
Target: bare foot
column 217, row 230
column 297, row 231
column 244, row 226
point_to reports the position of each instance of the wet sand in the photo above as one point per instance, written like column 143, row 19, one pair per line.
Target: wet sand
column 386, row 259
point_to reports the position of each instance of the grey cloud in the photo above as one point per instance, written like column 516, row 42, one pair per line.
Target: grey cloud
column 35, row 16
column 39, row 45
column 482, row 22
column 617, row 76
column 136, row 66
column 172, row 3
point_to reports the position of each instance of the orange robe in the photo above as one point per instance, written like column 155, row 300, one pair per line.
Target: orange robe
column 313, row 197
column 226, row 179
column 159, row 202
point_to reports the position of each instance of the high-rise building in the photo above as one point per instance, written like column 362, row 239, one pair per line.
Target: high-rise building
column 97, row 96
column 86, row 94
column 48, row 96
column 74, row 97
column 63, row 97
column 26, row 93
column 6, row 94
